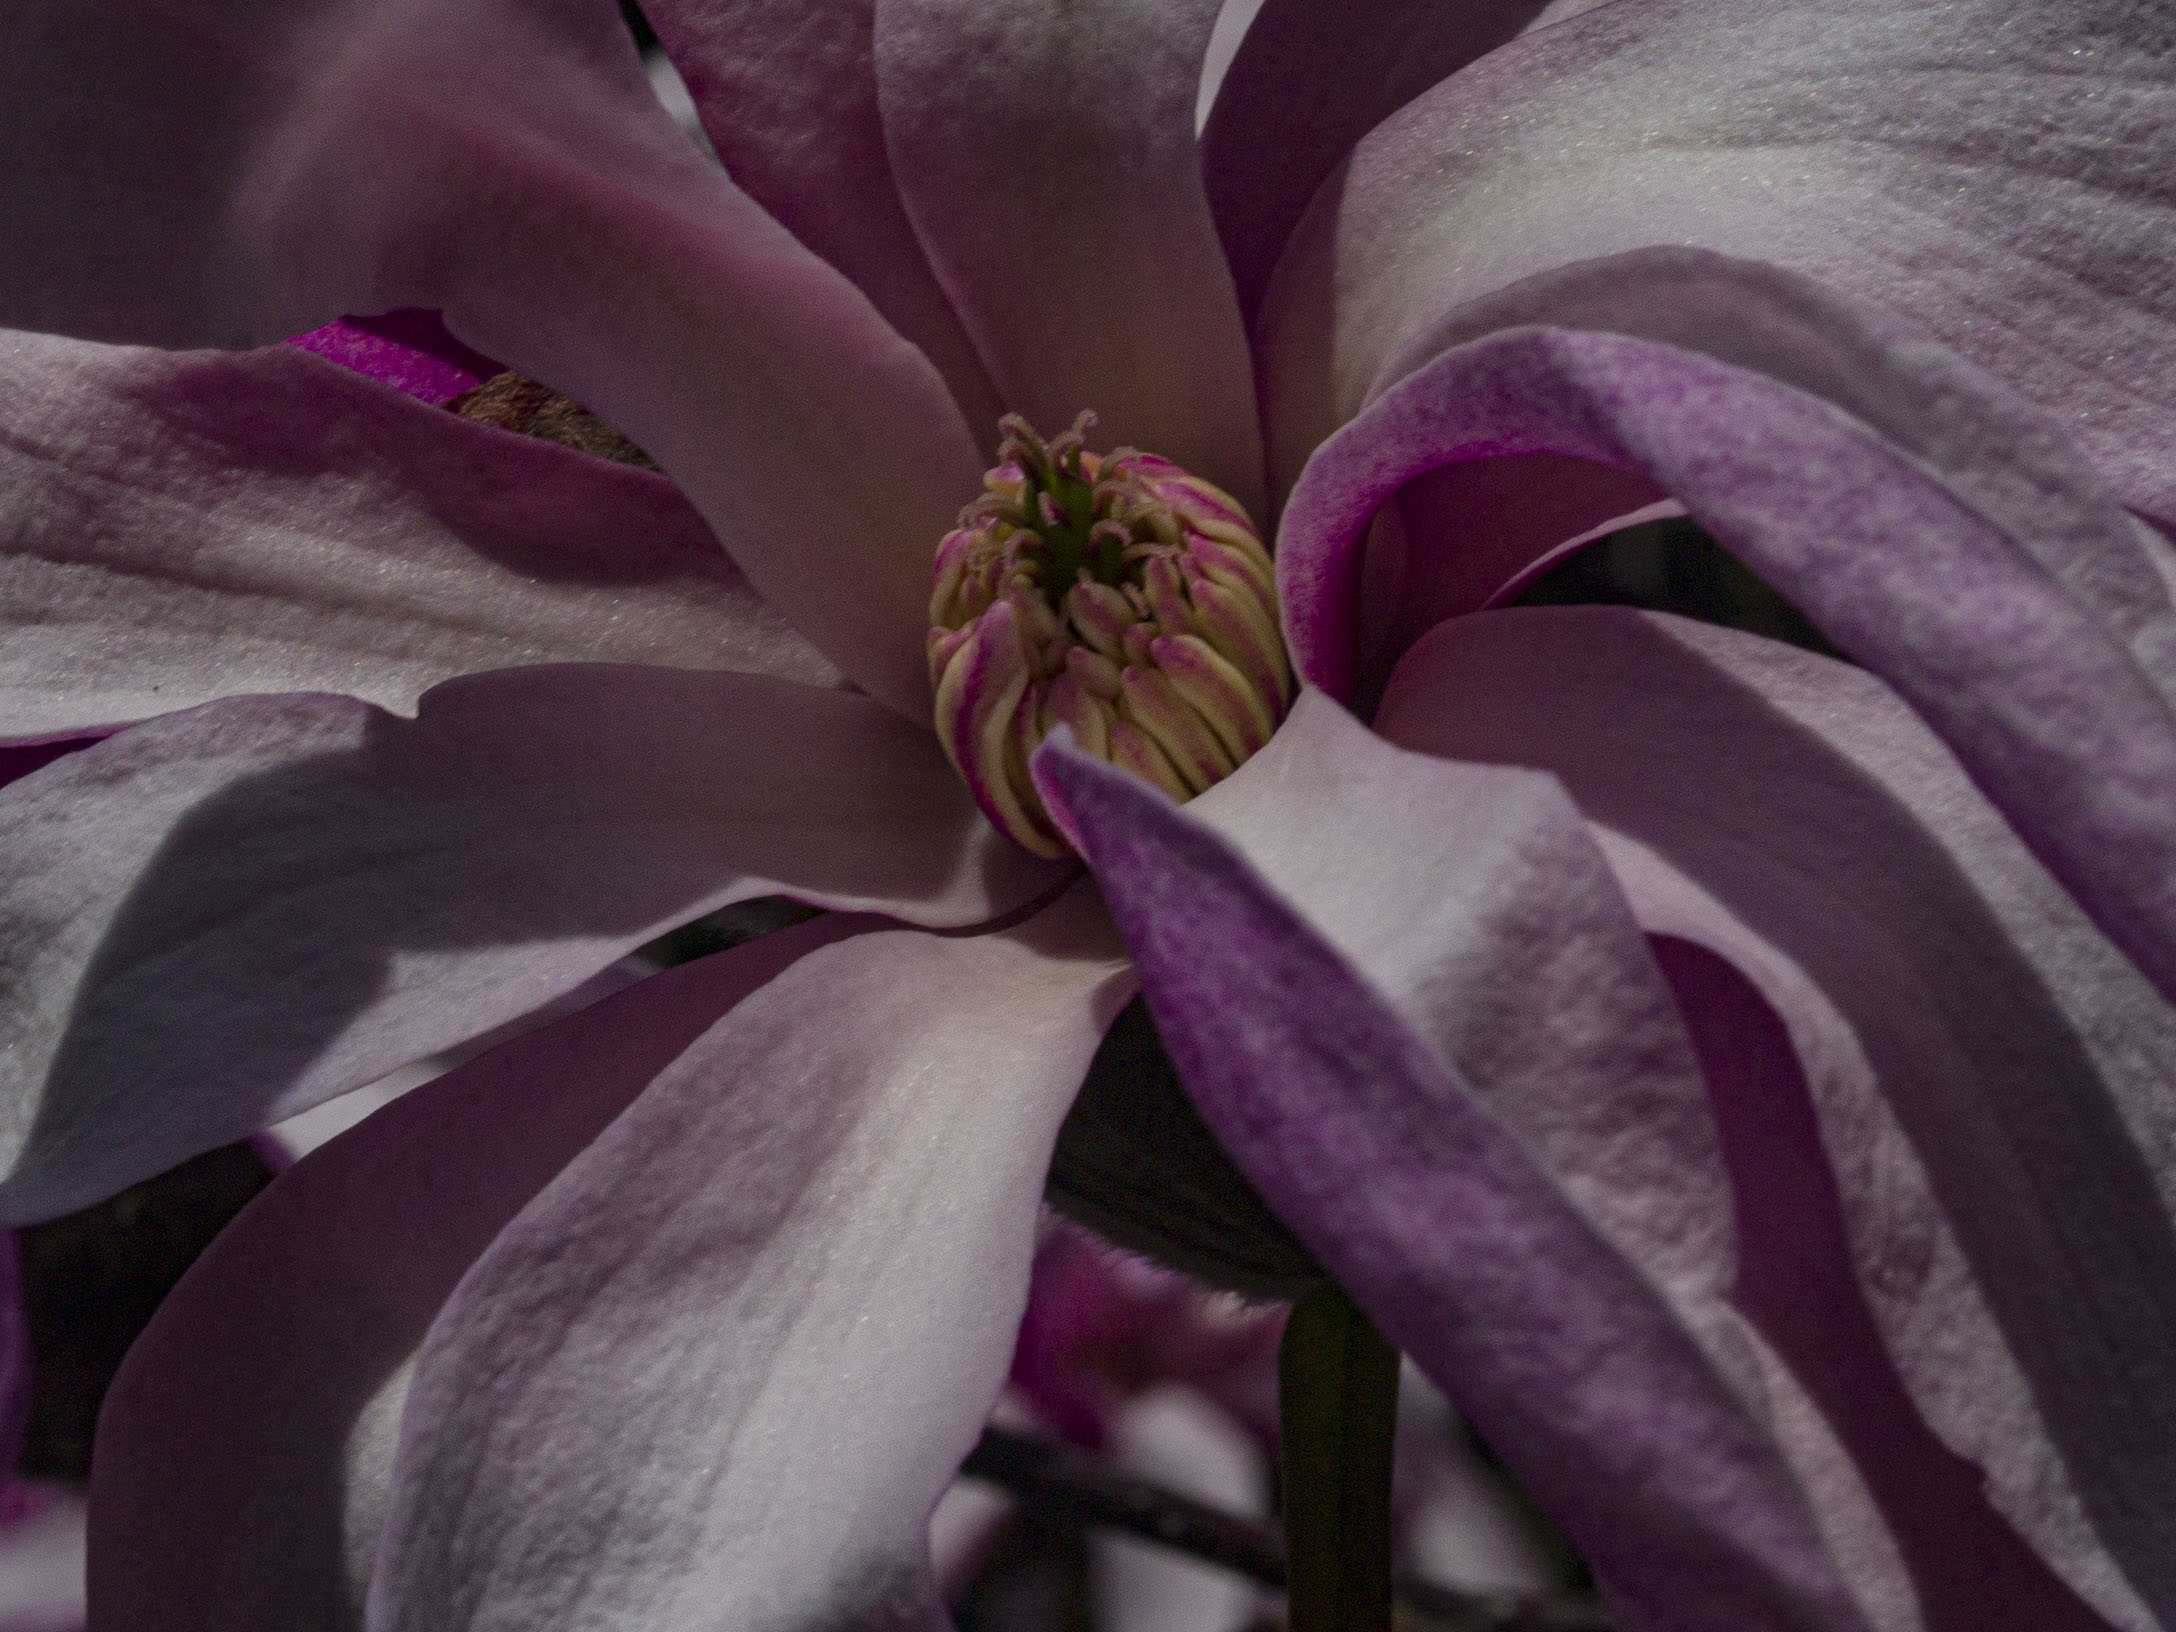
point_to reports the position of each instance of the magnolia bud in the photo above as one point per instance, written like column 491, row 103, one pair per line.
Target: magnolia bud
column 1114, row 594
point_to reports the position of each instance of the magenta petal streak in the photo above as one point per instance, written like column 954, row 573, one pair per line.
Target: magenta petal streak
column 2043, row 701
column 409, row 350
column 1998, row 175
column 182, row 527
column 1460, row 1247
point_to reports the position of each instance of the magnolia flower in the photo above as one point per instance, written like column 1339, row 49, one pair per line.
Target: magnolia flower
column 1737, row 1078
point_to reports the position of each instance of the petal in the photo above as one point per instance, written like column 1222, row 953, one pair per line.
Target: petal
column 409, row 350
column 1471, row 535
column 1997, row 176
column 1964, row 1566
column 1991, row 1076
column 787, row 94
column 140, row 131
column 2007, row 461
column 242, row 1457
column 1046, row 155
column 1612, row 1104
column 1306, row 85
column 180, row 528
column 504, row 162
column 19, row 759
column 2034, row 653
column 722, row 1369
column 1569, row 1360
column 16, row 1360
column 219, row 918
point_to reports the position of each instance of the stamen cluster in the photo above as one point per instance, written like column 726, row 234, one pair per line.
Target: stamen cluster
column 1115, row 594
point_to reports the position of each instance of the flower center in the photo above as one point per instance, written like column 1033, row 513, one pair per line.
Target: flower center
column 1114, row 594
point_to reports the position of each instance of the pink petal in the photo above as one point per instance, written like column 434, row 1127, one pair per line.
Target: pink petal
column 504, row 162
column 1612, row 1104
column 1503, row 1287
column 1308, row 82
column 219, row 918
column 787, row 94
column 1969, row 1570
column 244, row 1449
column 16, row 1360
column 1990, row 1076
column 1046, row 155
column 410, row 351
column 2031, row 638
column 146, row 199
column 179, row 528
column 1462, row 537
column 1999, row 177
column 721, row 1370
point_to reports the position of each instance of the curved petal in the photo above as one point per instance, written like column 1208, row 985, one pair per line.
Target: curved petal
column 408, row 350
column 240, row 178
column 1484, row 965
column 2034, row 657
column 787, row 94
column 179, row 528
column 1471, row 535
column 723, row 1367
column 1306, row 85
column 148, row 142
column 241, row 1459
column 2008, row 462
column 1046, row 155
column 1991, row 1076
column 1434, row 1215
column 219, row 918
column 1968, row 1569
column 1614, row 1107
column 1999, row 176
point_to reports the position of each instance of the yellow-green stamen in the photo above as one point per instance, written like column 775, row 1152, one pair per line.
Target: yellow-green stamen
column 1115, row 594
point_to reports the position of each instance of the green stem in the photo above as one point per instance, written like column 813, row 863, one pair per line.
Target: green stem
column 1337, row 1384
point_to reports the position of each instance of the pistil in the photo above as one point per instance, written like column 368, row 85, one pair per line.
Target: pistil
column 1115, row 594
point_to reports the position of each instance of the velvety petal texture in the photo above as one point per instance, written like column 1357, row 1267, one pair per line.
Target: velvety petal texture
column 1991, row 1078
column 223, row 916
column 1567, row 1357
column 794, row 1268
column 787, row 95
column 1586, row 1063
column 2010, row 463
column 136, row 130
column 244, row 178
column 1305, row 86
column 1998, row 176
column 175, row 528
column 409, row 350
column 1046, row 154
column 1838, row 1404
column 2040, row 656
column 245, row 1447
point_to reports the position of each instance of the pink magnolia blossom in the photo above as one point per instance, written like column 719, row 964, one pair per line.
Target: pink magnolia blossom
column 1740, row 1080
